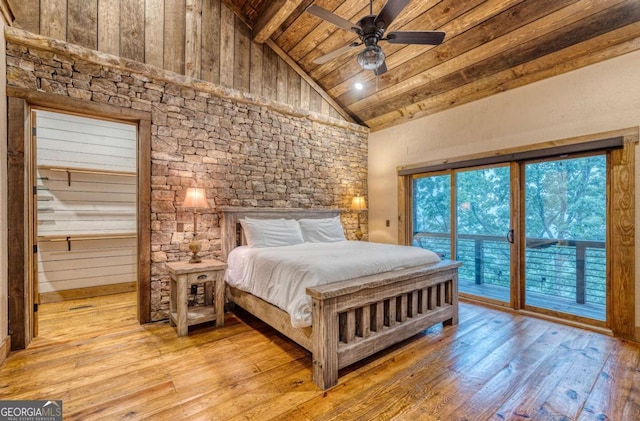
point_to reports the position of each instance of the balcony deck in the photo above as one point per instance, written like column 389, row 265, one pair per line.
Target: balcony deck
column 551, row 302
column 556, row 268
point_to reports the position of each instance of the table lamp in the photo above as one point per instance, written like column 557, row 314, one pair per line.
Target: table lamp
column 358, row 204
column 195, row 198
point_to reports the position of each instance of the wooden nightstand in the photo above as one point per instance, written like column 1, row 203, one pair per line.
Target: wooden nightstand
column 183, row 275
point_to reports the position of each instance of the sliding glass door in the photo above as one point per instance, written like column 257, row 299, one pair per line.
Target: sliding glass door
column 552, row 260
column 565, row 234
column 481, row 223
column 483, row 231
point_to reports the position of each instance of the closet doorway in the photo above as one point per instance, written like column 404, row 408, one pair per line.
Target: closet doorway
column 22, row 192
column 86, row 210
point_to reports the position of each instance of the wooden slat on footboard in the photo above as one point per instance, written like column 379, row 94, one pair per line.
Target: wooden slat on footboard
column 356, row 318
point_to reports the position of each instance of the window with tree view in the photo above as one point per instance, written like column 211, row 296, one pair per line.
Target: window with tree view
column 564, row 216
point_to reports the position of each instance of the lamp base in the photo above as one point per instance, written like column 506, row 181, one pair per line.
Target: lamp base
column 359, row 234
column 195, row 247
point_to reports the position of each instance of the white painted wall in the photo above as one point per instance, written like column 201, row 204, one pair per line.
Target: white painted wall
column 597, row 98
column 92, row 205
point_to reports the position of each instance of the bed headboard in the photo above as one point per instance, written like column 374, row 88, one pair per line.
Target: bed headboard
column 232, row 235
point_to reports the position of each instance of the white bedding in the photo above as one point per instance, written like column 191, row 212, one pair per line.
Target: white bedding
column 264, row 272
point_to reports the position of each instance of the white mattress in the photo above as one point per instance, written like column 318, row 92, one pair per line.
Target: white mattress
column 280, row 275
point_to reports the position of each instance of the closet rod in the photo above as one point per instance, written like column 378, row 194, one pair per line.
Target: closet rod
column 89, row 171
column 70, row 238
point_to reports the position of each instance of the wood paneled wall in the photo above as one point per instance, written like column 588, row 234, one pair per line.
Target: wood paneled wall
column 202, row 39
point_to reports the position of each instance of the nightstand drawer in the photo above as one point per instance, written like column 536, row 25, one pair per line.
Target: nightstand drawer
column 199, row 277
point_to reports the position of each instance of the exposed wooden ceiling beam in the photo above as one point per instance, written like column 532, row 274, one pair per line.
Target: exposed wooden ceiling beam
column 270, row 19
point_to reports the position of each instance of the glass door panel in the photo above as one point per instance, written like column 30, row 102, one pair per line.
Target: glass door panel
column 565, row 233
column 483, row 223
column 431, row 223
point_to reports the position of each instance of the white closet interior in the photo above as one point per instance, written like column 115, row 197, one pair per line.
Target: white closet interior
column 86, row 207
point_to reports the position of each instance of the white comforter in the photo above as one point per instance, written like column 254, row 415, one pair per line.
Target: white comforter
column 280, row 275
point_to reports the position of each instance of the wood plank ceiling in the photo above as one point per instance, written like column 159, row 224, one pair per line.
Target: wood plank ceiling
column 490, row 46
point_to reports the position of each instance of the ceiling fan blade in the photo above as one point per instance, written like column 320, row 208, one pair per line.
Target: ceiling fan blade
column 335, row 53
column 389, row 12
column 380, row 70
column 416, row 37
column 332, row 18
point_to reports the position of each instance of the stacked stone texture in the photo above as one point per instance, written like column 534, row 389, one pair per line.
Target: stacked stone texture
column 244, row 153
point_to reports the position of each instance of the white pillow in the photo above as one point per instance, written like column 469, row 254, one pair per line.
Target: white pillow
column 324, row 230
column 271, row 232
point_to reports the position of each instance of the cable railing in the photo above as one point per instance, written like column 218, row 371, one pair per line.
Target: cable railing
column 574, row 269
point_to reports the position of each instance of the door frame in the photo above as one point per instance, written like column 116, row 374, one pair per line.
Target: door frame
column 621, row 213
column 22, row 320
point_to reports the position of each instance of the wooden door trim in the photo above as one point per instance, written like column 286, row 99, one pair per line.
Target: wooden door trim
column 621, row 239
column 20, row 100
column 18, row 281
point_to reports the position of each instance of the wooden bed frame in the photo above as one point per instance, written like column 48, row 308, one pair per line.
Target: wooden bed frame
column 355, row 318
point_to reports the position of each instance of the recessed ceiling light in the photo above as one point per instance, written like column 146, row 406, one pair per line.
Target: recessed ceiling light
column 358, row 86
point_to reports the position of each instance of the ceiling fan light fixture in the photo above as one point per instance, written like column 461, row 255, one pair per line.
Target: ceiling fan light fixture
column 371, row 57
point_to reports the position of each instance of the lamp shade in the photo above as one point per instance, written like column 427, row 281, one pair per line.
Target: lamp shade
column 358, row 204
column 195, row 198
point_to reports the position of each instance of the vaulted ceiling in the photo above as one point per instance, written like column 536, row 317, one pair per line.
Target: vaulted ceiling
column 490, row 46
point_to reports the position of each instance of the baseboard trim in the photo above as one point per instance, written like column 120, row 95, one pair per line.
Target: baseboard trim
column 78, row 293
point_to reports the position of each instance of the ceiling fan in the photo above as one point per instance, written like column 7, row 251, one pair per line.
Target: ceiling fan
column 370, row 29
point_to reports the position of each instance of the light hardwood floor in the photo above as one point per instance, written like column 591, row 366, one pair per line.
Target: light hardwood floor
column 94, row 356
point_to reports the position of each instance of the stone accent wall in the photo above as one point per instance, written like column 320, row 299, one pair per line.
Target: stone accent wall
column 243, row 150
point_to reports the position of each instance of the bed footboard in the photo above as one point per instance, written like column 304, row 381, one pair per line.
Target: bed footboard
column 359, row 317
